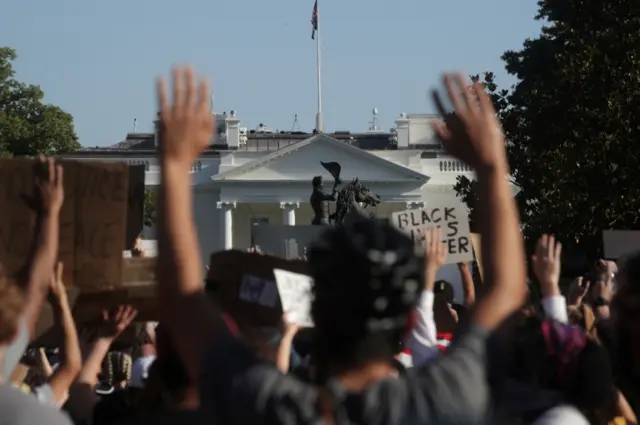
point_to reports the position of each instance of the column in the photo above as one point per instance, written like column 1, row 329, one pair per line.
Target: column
column 289, row 212
column 227, row 223
column 415, row 205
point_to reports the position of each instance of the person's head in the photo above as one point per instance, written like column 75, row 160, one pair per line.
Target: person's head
column 562, row 360
column 367, row 278
column 316, row 182
column 11, row 304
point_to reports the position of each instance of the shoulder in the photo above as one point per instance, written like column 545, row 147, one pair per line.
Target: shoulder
column 21, row 408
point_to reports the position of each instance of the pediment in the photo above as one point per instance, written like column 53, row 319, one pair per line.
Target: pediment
column 302, row 161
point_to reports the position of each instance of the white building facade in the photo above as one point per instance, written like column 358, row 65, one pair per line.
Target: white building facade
column 236, row 186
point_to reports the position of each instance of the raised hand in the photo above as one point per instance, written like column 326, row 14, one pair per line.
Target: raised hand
column 114, row 324
column 577, row 291
column 435, row 255
column 546, row 265
column 49, row 183
column 187, row 125
column 472, row 133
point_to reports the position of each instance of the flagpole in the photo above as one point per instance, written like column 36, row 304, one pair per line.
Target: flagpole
column 319, row 124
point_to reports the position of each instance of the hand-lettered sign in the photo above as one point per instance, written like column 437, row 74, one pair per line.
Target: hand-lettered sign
column 295, row 296
column 93, row 220
column 451, row 217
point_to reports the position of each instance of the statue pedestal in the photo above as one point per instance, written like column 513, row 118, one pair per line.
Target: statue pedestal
column 285, row 241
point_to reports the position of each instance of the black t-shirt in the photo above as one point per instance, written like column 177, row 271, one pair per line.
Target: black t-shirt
column 239, row 389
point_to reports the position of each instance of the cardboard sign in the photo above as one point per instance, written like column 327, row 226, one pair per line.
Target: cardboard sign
column 92, row 220
column 230, row 270
column 295, row 296
column 450, row 217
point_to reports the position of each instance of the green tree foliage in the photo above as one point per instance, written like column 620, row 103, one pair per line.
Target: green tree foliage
column 572, row 122
column 149, row 208
column 27, row 125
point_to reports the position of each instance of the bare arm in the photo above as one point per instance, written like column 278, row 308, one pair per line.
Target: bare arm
column 44, row 251
column 187, row 128
column 82, row 397
column 44, row 363
column 40, row 267
column 473, row 134
column 468, row 287
column 71, row 362
column 283, row 355
column 504, row 262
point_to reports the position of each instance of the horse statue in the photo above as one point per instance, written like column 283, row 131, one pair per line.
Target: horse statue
column 354, row 195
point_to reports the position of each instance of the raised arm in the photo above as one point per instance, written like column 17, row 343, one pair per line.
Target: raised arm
column 473, row 134
column 71, row 361
column 49, row 195
column 186, row 130
column 455, row 385
column 44, row 252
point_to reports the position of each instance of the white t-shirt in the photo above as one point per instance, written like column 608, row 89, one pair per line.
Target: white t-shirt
column 562, row 415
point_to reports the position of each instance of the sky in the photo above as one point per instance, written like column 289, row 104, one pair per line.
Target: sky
column 98, row 60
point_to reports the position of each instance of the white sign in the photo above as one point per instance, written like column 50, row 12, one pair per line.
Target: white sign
column 258, row 291
column 295, row 296
column 453, row 221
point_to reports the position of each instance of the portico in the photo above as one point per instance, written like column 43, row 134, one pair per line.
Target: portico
column 275, row 188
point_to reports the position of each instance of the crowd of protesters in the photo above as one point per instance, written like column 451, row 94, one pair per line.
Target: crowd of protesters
column 389, row 345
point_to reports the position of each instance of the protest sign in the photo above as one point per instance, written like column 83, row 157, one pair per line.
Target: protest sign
column 101, row 197
column 243, row 285
column 450, row 216
column 92, row 220
column 295, row 296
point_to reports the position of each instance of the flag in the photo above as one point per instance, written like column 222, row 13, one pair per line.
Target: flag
column 314, row 20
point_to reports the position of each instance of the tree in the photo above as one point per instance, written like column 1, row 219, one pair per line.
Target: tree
column 27, row 125
column 149, row 217
column 572, row 122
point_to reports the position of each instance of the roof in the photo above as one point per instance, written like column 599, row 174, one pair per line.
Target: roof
column 319, row 138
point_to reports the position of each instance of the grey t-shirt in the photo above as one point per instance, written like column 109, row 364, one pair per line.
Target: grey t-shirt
column 19, row 408
column 451, row 389
column 13, row 353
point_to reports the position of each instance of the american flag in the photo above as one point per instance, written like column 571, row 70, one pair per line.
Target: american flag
column 314, row 20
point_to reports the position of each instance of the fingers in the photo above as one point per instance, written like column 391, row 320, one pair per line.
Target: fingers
column 51, row 169
column 59, row 179
column 466, row 93
column 191, row 95
column 179, row 97
column 437, row 101
column 483, row 99
column 451, row 84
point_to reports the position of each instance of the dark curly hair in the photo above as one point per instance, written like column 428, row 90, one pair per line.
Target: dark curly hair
column 368, row 277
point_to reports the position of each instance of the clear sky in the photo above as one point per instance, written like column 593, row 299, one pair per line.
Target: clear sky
column 97, row 59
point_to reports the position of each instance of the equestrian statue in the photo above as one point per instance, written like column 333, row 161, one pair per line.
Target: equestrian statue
column 354, row 196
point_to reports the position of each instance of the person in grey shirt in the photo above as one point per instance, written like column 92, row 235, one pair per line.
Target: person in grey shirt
column 16, row 406
column 367, row 277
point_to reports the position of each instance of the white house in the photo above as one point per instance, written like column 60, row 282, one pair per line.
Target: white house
column 256, row 177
